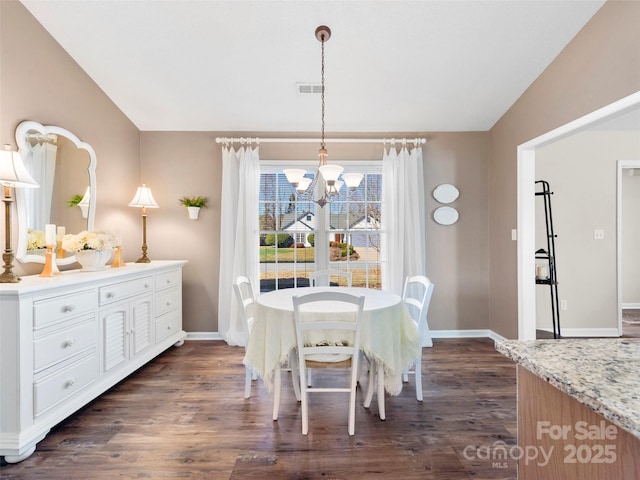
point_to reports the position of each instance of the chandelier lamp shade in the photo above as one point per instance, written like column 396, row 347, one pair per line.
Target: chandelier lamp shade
column 13, row 174
column 330, row 174
column 144, row 199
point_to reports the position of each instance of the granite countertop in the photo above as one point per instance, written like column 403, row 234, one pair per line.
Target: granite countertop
column 602, row 373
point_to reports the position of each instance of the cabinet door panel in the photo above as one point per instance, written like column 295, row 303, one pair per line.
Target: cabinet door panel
column 141, row 325
column 114, row 340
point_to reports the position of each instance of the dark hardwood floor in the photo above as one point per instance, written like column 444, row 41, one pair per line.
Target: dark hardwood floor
column 183, row 416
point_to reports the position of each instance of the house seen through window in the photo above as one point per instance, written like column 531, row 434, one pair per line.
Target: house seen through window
column 290, row 224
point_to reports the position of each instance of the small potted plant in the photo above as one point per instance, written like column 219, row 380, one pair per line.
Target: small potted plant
column 74, row 200
column 194, row 204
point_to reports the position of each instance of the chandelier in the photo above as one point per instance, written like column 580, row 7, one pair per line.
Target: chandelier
column 330, row 174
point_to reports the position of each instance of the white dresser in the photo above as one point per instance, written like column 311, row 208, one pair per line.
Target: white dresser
column 67, row 339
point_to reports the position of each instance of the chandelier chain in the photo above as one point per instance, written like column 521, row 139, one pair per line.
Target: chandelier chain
column 322, row 91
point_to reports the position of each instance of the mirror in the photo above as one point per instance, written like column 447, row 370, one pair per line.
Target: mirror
column 64, row 167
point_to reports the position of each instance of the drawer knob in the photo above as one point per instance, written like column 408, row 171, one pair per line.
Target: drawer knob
column 110, row 294
column 68, row 308
column 146, row 285
column 70, row 383
column 168, row 281
column 168, row 327
column 168, row 304
column 68, row 343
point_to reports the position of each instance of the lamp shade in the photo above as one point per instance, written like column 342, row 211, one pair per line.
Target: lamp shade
column 294, row 175
column 303, row 184
column 143, row 198
column 12, row 171
column 335, row 188
column 330, row 172
column 352, row 180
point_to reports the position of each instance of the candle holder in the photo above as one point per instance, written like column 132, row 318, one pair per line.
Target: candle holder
column 50, row 266
column 117, row 258
column 60, row 253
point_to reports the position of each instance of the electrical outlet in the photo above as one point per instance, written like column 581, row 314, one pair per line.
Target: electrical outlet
column 514, row 234
column 563, row 304
column 598, row 234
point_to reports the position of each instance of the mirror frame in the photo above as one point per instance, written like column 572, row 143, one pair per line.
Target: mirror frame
column 21, row 203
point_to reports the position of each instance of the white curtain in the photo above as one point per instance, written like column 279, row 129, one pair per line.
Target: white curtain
column 42, row 167
column 403, row 217
column 239, row 241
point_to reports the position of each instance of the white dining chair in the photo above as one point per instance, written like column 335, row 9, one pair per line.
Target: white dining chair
column 243, row 289
column 323, row 277
column 417, row 297
column 328, row 354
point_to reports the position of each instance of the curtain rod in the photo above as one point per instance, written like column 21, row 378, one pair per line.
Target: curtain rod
column 420, row 141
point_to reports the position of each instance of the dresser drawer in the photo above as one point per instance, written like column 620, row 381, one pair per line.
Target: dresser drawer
column 64, row 343
column 168, row 279
column 118, row 291
column 63, row 307
column 167, row 300
column 167, row 324
column 67, row 381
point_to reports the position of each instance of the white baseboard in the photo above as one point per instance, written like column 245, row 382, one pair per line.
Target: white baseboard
column 204, row 336
column 585, row 332
column 478, row 333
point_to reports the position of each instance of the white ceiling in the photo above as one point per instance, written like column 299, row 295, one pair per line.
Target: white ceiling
column 391, row 66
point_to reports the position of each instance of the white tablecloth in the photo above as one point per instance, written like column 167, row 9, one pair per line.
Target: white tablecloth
column 388, row 335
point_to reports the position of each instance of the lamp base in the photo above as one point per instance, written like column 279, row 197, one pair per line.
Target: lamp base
column 144, row 258
column 8, row 276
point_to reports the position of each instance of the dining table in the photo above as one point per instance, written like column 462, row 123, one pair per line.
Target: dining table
column 388, row 335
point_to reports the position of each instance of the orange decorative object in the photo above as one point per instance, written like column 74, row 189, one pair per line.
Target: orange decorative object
column 50, row 267
column 117, row 258
column 60, row 253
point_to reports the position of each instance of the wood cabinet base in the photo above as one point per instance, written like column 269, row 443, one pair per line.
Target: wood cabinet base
column 560, row 438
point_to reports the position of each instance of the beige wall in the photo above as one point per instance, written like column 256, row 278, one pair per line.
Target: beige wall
column 189, row 163
column 176, row 164
column 39, row 81
column 599, row 66
column 582, row 172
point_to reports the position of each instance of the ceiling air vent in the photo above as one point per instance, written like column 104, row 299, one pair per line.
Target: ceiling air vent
column 304, row 88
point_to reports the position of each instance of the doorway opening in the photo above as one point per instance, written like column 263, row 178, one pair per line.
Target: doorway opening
column 526, row 157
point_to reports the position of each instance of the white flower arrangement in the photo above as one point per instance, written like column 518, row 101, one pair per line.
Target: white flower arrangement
column 89, row 240
column 35, row 239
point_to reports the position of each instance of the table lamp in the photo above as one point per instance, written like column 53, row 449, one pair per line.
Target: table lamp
column 12, row 174
column 144, row 199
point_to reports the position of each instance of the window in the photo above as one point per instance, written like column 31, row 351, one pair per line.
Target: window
column 290, row 225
